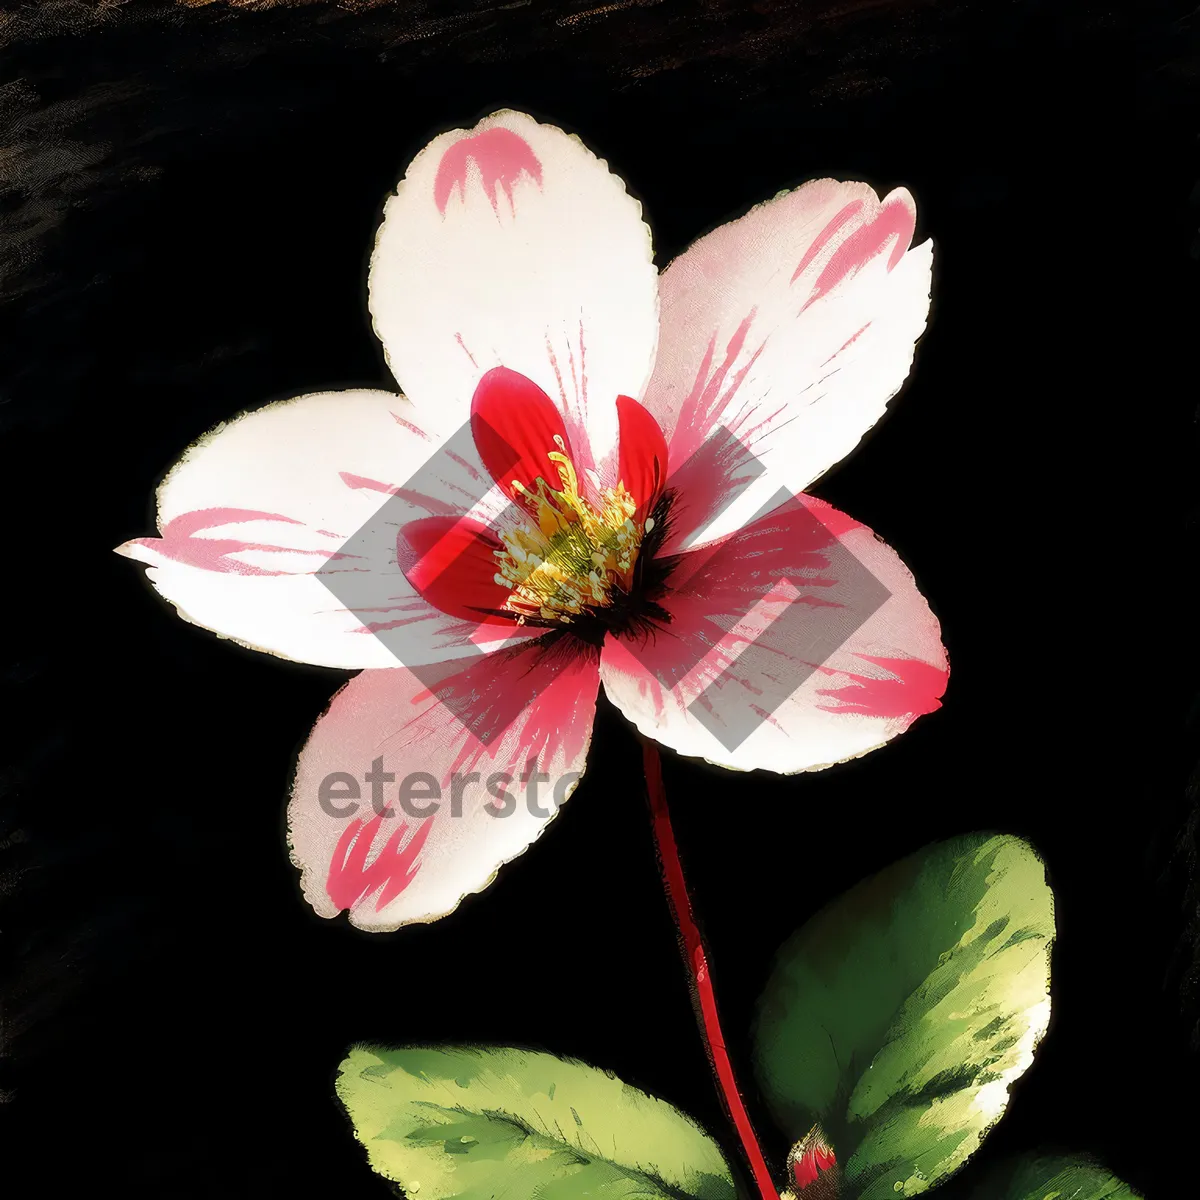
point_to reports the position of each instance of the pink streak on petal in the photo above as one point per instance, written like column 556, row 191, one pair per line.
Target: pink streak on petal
column 502, row 158
column 189, row 523
column 558, row 377
column 895, row 220
column 411, row 427
column 712, row 391
column 458, row 337
column 360, row 483
column 822, row 239
column 583, row 379
column 847, row 344
column 352, row 880
column 915, row 689
column 212, row 554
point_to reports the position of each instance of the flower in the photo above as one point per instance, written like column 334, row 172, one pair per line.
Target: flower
column 626, row 509
column 812, row 1168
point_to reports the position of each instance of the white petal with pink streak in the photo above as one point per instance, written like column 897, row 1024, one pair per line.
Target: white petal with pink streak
column 791, row 327
column 490, row 719
column 701, row 685
column 252, row 514
column 510, row 244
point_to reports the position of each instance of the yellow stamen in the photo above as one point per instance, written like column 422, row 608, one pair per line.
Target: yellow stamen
column 576, row 554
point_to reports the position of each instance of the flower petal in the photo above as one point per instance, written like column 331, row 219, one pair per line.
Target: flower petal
column 790, row 328
column 465, row 747
column 516, row 427
column 795, row 643
column 278, row 530
column 510, row 244
column 451, row 562
column 642, row 456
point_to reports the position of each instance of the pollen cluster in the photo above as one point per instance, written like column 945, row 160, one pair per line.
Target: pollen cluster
column 577, row 554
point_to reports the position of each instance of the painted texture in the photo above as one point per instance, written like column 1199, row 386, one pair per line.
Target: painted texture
column 1051, row 1177
column 898, row 1017
column 506, row 1124
column 513, row 288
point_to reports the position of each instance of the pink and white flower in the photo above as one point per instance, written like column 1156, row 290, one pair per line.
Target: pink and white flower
column 513, row 286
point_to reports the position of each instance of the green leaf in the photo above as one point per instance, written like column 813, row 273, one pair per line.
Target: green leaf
column 898, row 1017
column 500, row 1124
column 1050, row 1177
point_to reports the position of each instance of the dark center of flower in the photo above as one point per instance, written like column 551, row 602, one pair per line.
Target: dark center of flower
column 583, row 567
column 572, row 556
column 576, row 554
column 632, row 608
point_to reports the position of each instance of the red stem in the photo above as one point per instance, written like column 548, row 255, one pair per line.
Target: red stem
column 692, row 945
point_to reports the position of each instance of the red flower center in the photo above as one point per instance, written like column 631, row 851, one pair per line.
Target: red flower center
column 814, row 1167
column 577, row 558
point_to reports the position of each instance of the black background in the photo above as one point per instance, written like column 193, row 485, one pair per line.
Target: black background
column 187, row 233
